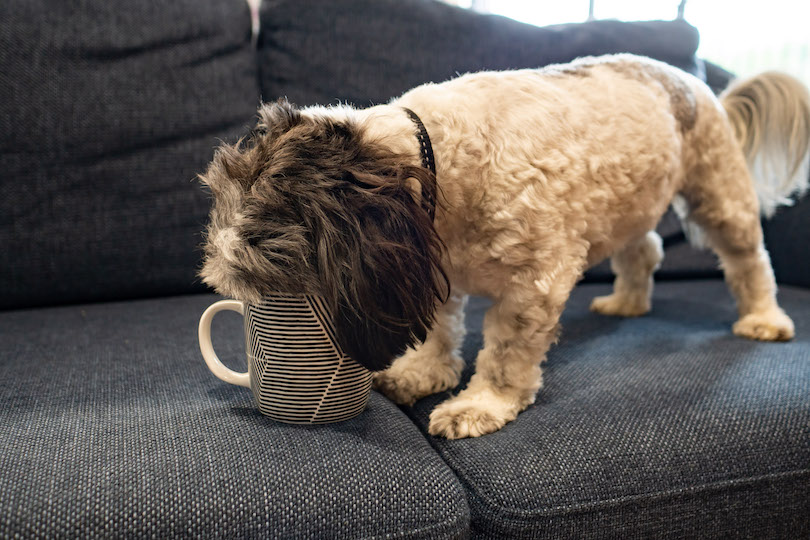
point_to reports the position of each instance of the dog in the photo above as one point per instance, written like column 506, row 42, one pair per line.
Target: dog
column 507, row 185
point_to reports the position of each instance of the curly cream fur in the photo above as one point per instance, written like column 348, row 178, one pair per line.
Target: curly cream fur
column 548, row 172
column 543, row 173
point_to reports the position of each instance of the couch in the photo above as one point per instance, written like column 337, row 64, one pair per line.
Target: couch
column 665, row 426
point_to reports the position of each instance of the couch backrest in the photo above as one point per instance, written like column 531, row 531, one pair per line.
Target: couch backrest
column 110, row 110
column 368, row 51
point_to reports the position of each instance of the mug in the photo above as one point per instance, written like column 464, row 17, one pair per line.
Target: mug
column 296, row 370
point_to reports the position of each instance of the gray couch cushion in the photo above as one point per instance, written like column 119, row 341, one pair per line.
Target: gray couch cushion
column 109, row 111
column 369, row 51
column 112, row 426
column 666, row 426
column 787, row 235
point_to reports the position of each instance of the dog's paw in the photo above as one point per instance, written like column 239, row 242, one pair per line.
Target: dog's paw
column 620, row 306
column 413, row 377
column 471, row 416
column 463, row 422
column 772, row 325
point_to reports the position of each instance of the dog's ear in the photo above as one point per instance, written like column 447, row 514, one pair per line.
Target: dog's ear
column 277, row 118
column 239, row 165
column 383, row 270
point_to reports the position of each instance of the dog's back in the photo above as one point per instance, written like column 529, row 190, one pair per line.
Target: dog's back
column 592, row 151
column 601, row 144
column 547, row 171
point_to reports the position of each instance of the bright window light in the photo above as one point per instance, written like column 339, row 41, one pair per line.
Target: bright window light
column 743, row 37
column 539, row 13
column 748, row 37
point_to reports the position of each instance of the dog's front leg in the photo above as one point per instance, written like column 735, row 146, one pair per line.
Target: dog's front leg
column 432, row 366
column 518, row 330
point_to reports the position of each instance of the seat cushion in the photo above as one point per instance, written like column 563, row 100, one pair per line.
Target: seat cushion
column 787, row 236
column 109, row 111
column 111, row 425
column 665, row 426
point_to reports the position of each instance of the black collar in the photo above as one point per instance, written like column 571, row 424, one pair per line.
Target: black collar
column 424, row 142
column 426, row 150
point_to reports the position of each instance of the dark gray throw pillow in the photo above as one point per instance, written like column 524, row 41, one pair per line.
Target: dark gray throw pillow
column 368, row 51
column 108, row 112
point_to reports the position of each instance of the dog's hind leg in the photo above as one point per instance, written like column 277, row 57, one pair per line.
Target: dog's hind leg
column 633, row 265
column 723, row 203
column 748, row 272
column 432, row 366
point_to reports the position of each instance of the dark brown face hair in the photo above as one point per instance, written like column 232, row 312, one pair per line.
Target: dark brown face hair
column 307, row 206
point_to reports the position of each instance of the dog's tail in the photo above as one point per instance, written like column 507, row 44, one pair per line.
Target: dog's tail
column 770, row 114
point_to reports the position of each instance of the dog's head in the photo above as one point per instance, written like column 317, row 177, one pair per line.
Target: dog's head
column 306, row 205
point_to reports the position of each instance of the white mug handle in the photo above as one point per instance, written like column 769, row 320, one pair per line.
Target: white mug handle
column 207, row 349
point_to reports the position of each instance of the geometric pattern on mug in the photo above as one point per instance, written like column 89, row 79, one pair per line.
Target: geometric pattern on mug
column 292, row 338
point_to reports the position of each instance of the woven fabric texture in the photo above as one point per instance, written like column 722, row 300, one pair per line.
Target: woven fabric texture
column 108, row 112
column 111, row 425
column 665, row 426
column 368, row 51
column 787, row 235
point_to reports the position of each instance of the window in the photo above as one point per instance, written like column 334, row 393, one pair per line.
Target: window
column 748, row 37
column 744, row 38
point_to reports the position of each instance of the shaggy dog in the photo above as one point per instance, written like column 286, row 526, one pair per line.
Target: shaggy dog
column 539, row 175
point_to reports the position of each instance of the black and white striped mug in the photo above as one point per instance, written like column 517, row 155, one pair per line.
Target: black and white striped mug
column 296, row 369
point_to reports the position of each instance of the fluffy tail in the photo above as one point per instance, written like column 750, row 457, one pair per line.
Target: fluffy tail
column 770, row 114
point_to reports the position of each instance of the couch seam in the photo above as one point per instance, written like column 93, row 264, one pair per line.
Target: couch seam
column 465, row 491
column 616, row 502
